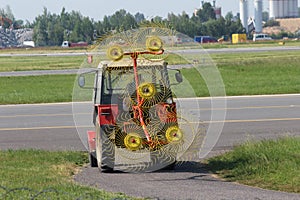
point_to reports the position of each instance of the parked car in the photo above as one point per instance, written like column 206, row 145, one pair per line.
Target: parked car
column 261, row 36
column 205, row 39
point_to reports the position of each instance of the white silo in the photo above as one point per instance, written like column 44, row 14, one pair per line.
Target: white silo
column 244, row 13
column 295, row 8
column 271, row 9
column 286, row 8
column 258, row 7
column 274, row 8
column 281, row 9
column 291, row 8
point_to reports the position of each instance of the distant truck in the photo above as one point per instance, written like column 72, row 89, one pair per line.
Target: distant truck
column 28, row 44
column 67, row 44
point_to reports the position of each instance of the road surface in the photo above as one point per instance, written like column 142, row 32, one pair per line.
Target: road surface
column 51, row 127
column 258, row 117
column 209, row 51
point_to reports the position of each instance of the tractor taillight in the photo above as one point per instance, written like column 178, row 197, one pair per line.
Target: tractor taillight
column 107, row 114
column 91, row 140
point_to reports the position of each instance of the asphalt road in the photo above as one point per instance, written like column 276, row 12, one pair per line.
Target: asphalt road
column 257, row 117
column 189, row 51
column 52, row 127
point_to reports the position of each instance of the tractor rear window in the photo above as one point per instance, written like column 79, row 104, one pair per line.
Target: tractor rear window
column 118, row 79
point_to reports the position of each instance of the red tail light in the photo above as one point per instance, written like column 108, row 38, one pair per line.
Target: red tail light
column 107, row 114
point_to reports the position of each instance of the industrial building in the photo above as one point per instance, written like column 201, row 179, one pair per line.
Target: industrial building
column 277, row 9
column 283, row 9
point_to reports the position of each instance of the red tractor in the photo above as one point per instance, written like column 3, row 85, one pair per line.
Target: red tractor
column 135, row 117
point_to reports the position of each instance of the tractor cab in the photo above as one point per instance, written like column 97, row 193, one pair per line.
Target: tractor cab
column 119, row 86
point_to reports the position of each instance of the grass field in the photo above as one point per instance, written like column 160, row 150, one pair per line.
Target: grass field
column 242, row 74
column 272, row 164
column 36, row 89
column 263, row 73
column 37, row 174
column 21, row 63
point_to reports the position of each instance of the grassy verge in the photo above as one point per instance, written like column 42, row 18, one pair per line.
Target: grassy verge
column 263, row 73
column 243, row 74
column 48, row 175
column 238, row 80
column 41, row 50
column 39, row 63
column 36, row 89
column 271, row 164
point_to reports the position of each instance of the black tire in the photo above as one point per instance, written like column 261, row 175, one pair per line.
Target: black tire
column 170, row 167
column 93, row 159
column 161, row 160
column 105, row 151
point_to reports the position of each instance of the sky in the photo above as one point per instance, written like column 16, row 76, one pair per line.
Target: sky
column 97, row 9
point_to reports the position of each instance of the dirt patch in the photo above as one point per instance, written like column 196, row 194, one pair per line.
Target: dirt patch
column 290, row 25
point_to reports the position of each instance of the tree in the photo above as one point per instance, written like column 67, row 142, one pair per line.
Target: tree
column 8, row 16
column 8, row 13
column 139, row 17
column 40, row 34
column 116, row 20
column 122, row 20
column 18, row 23
column 229, row 17
column 206, row 13
column 272, row 22
column 216, row 27
column 87, row 29
column 52, row 29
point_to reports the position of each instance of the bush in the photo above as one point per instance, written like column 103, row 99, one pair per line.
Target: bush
column 271, row 23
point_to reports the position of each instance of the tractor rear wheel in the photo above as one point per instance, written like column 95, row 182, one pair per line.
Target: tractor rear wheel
column 93, row 159
column 105, row 151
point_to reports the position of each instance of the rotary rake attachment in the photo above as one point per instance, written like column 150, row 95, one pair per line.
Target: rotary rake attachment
column 138, row 125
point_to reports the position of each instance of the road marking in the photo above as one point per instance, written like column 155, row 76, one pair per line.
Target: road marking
column 200, row 122
column 201, row 109
column 189, row 98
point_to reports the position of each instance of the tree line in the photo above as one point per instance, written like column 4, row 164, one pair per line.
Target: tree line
column 52, row 29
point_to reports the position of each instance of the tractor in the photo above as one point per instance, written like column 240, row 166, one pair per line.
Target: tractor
column 135, row 115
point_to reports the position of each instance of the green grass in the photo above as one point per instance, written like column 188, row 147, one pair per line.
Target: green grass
column 266, row 73
column 242, row 74
column 36, row 89
column 39, row 63
column 40, row 50
column 252, row 73
column 273, row 164
column 238, row 80
column 26, row 173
